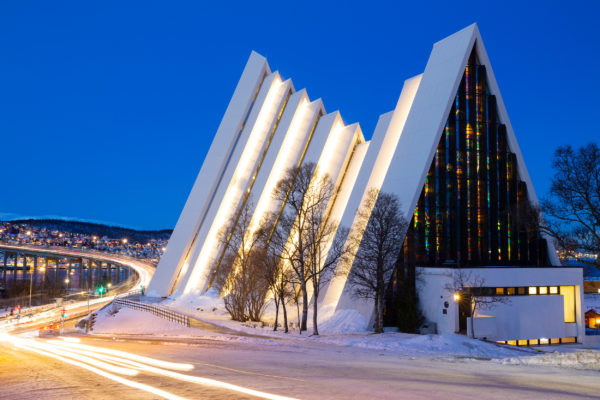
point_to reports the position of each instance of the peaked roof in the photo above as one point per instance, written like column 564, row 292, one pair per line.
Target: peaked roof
column 429, row 112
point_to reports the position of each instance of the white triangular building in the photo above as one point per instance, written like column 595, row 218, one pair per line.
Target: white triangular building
column 448, row 151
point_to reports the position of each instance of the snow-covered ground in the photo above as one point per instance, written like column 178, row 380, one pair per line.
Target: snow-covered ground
column 591, row 300
column 127, row 321
column 210, row 309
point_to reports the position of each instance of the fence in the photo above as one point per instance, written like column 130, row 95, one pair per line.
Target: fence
column 159, row 311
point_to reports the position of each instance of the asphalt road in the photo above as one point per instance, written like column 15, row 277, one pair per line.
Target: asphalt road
column 310, row 371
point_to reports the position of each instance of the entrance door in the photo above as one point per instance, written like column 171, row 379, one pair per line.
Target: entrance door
column 464, row 312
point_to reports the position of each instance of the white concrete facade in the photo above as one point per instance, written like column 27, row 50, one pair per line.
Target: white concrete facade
column 270, row 127
column 519, row 317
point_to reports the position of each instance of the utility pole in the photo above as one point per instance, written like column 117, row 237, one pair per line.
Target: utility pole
column 30, row 280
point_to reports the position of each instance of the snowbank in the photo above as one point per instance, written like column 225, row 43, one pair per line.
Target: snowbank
column 344, row 321
column 127, row 321
column 588, row 359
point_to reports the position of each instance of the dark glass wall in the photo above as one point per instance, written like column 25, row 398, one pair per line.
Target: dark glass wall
column 473, row 210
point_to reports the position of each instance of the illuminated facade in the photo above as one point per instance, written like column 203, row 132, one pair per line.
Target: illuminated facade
column 447, row 151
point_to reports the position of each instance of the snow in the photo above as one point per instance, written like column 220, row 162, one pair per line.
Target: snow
column 344, row 321
column 342, row 328
column 586, row 359
column 591, row 301
column 127, row 321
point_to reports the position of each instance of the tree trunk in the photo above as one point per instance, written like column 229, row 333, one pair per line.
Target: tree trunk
column 376, row 314
column 315, row 305
column 285, row 322
column 304, row 308
column 377, row 325
column 298, row 314
column 276, row 313
column 381, row 298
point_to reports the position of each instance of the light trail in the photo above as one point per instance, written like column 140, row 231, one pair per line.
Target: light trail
column 108, row 362
column 22, row 343
column 125, row 355
column 126, row 358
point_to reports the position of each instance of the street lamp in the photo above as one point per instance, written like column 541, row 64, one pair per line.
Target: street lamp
column 456, row 297
column 30, row 282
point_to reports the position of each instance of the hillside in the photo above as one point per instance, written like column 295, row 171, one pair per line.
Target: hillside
column 89, row 228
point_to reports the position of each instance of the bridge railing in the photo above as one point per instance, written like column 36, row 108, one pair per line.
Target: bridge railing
column 154, row 309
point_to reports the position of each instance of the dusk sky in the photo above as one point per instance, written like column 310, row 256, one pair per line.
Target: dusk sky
column 107, row 109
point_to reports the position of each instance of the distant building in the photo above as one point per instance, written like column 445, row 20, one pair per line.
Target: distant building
column 448, row 151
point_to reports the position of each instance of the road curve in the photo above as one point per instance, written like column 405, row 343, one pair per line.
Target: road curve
column 78, row 308
column 144, row 270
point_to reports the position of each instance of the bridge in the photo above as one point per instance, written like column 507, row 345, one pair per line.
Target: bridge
column 63, row 270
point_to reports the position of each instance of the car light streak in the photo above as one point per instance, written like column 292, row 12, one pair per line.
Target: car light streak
column 125, row 358
column 125, row 355
column 108, row 375
column 108, row 362
column 29, row 344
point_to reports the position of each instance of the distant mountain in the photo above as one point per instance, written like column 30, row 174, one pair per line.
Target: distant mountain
column 94, row 229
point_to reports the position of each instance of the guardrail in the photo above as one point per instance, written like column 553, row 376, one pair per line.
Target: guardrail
column 154, row 309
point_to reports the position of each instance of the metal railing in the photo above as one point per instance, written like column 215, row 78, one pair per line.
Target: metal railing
column 154, row 309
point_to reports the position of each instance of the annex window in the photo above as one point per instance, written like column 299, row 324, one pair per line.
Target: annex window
column 568, row 293
column 532, row 290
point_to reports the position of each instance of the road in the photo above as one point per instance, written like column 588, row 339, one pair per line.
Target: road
column 307, row 371
column 76, row 308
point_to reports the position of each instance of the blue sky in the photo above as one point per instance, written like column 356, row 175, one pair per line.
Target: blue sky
column 108, row 108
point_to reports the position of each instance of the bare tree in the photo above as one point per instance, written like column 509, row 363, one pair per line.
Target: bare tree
column 306, row 234
column 239, row 269
column 278, row 279
column 378, row 249
column 573, row 207
column 471, row 291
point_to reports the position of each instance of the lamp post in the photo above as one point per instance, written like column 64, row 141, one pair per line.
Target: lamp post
column 42, row 270
column 30, row 284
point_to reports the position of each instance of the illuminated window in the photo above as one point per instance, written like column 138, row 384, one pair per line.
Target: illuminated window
column 522, row 342
column 543, row 341
column 568, row 340
column 553, row 289
column 533, row 342
column 543, row 290
column 512, row 342
column 521, row 290
column 510, row 291
column 554, row 341
column 568, row 293
column 532, row 290
column 499, row 291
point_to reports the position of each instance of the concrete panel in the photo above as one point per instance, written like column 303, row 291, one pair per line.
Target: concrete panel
column 208, row 180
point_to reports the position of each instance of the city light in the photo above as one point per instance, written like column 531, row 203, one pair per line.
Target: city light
column 456, row 296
